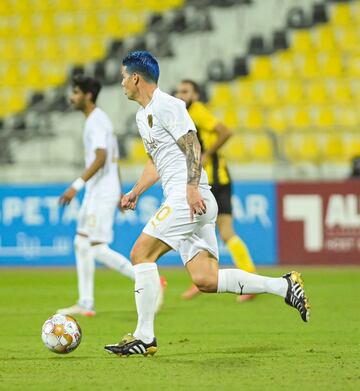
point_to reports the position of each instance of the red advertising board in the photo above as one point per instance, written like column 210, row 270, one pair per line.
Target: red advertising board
column 319, row 223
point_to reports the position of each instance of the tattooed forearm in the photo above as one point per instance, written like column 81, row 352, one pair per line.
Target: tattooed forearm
column 190, row 145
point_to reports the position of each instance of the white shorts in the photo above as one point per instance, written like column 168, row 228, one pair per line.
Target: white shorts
column 96, row 218
column 172, row 225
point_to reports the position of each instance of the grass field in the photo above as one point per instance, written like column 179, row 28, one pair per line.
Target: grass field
column 210, row 343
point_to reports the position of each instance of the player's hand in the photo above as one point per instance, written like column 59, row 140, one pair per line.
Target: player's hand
column 68, row 195
column 122, row 210
column 129, row 201
column 195, row 201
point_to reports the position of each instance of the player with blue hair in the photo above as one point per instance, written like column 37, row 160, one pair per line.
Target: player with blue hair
column 185, row 222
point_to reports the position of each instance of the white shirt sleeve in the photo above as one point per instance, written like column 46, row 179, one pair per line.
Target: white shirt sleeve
column 97, row 135
column 176, row 119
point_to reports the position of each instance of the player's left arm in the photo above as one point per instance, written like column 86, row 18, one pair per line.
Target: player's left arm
column 190, row 146
column 78, row 184
column 223, row 134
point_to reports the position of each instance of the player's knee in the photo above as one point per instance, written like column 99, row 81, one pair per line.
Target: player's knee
column 207, row 283
column 81, row 243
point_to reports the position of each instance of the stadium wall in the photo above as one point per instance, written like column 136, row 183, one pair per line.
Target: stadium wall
column 286, row 223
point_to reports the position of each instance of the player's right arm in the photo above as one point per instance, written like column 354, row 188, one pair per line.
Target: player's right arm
column 78, row 184
column 148, row 178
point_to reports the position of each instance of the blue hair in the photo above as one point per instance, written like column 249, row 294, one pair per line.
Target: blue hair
column 144, row 63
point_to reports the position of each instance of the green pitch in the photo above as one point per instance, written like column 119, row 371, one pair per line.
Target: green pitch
column 210, row 343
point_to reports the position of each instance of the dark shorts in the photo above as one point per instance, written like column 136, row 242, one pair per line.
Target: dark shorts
column 222, row 194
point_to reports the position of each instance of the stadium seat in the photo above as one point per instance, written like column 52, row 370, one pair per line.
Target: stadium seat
column 267, row 93
column 324, row 117
column 348, row 39
column 341, row 14
column 302, row 147
column 221, row 95
column 251, row 118
column 339, row 91
column 261, row 148
column 346, row 116
column 324, row 38
column 235, row 149
column 231, row 118
column 276, row 119
column 292, row 92
column 302, row 42
column 244, row 92
column 283, row 65
column 316, row 92
column 307, row 66
column 330, row 65
column 352, row 67
column 299, row 117
column 261, row 68
column 137, row 153
column 334, row 148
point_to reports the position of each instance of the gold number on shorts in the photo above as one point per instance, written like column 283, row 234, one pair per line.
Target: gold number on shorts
column 161, row 215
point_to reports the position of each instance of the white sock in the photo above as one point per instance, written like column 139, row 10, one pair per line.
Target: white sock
column 85, row 266
column 114, row 260
column 241, row 282
column 147, row 287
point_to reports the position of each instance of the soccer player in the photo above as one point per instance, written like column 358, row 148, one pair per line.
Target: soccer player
column 186, row 220
column 212, row 135
column 102, row 194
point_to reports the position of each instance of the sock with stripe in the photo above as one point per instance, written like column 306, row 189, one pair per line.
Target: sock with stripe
column 240, row 254
column 243, row 283
column 147, row 288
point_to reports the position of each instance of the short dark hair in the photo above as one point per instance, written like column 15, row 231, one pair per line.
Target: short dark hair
column 144, row 63
column 87, row 84
column 194, row 85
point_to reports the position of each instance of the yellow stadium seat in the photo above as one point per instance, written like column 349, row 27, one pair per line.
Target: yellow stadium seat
column 347, row 116
column 27, row 49
column 356, row 12
column 231, row 118
column 244, row 92
column 330, row 65
column 16, row 101
column 73, row 50
column 334, row 149
column 324, row 117
column 261, row 148
column 352, row 146
column 221, row 95
column 261, row 68
column 24, row 27
column 324, row 38
column 50, row 49
column 348, row 39
column 235, row 149
column 251, row 118
column 8, row 50
column 307, row 66
column 113, row 26
column 12, row 76
column 55, row 73
column 64, row 5
column 45, row 24
column 284, row 65
column 299, row 117
column 267, row 93
column 67, row 23
column 276, row 119
column 352, row 67
column 302, row 41
column 292, row 92
column 316, row 92
column 33, row 77
column 136, row 152
column 302, row 147
column 341, row 14
column 339, row 91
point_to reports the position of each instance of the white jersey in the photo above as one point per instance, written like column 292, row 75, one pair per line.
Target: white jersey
column 98, row 134
column 161, row 123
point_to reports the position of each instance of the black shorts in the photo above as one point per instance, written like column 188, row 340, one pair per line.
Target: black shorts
column 222, row 194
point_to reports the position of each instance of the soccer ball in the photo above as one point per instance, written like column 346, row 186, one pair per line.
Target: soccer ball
column 61, row 334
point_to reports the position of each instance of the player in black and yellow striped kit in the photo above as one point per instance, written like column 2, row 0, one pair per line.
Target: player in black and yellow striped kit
column 212, row 134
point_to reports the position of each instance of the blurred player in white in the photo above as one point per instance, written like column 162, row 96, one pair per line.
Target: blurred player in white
column 102, row 194
column 186, row 220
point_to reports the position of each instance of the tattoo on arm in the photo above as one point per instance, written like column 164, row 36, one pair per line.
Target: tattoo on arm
column 190, row 145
